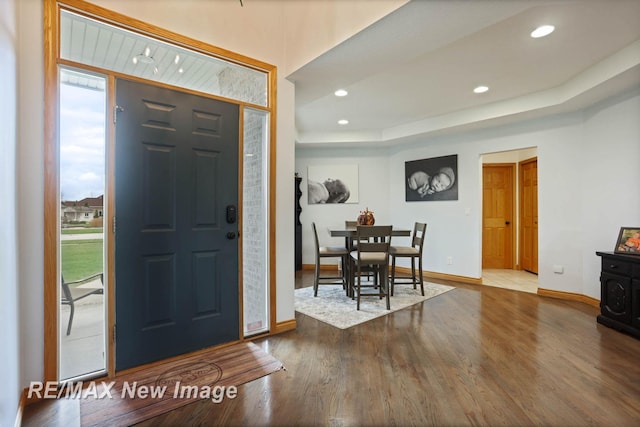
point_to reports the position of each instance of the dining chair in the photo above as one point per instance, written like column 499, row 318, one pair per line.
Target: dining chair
column 74, row 291
column 414, row 252
column 352, row 244
column 328, row 252
column 373, row 252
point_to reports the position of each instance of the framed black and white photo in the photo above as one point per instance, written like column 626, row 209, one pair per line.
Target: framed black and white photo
column 431, row 179
column 332, row 184
column 628, row 241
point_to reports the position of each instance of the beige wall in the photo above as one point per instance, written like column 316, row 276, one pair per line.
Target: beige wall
column 285, row 33
column 313, row 27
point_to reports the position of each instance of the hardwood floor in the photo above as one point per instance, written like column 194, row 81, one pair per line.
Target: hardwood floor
column 477, row 355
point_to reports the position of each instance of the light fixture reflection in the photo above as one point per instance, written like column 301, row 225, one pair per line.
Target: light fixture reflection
column 341, row 92
column 343, row 122
column 481, row 89
column 144, row 57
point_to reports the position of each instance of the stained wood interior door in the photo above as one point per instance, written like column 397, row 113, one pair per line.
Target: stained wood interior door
column 529, row 215
column 497, row 215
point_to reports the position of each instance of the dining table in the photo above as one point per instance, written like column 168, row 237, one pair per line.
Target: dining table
column 349, row 234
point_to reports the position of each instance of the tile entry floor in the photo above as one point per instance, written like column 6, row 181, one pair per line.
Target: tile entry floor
column 517, row 280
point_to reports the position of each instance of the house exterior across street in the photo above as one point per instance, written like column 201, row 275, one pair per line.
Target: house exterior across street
column 81, row 211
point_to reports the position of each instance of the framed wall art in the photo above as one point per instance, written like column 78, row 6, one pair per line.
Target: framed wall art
column 431, row 179
column 628, row 241
column 332, row 184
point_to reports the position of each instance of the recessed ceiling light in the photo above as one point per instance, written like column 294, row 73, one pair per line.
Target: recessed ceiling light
column 341, row 92
column 481, row 89
column 543, row 30
column 343, row 122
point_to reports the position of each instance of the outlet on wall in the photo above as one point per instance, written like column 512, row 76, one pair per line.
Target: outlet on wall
column 449, row 260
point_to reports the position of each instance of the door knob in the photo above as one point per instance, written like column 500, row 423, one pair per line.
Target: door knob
column 231, row 235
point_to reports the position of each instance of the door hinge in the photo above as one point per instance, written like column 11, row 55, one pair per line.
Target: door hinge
column 113, row 225
column 117, row 109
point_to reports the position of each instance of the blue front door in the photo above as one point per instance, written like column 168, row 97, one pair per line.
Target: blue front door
column 176, row 249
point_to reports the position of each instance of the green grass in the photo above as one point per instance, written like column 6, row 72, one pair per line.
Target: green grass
column 81, row 230
column 81, row 258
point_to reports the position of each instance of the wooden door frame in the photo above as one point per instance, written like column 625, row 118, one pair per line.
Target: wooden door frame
column 52, row 61
column 514, row 225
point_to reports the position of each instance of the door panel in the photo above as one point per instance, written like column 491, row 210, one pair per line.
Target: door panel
column 529, row 215
column 497, row 214
column 176, row 269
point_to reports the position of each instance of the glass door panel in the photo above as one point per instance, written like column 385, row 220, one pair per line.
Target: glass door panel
column 255, row 239
column 82, row 311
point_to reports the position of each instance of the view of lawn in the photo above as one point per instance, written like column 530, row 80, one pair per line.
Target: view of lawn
column 81, row 258
column 88, row 230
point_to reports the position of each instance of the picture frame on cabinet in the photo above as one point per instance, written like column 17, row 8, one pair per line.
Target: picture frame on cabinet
column 628, row 241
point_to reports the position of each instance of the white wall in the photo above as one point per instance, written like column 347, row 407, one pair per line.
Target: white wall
column 451, row 232
column 285, row 270
column 587, row 190
column 511, row 156
column 30, row 175
column 610, row 179
column 9, row 326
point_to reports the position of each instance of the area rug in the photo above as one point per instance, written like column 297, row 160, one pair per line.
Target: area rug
column 211, row 375
column 332, row 306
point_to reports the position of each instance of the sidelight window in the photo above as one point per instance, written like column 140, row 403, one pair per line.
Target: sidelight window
column 81, row 315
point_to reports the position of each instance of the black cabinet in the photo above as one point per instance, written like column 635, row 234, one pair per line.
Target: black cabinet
column 620, row 292
column 298, row 224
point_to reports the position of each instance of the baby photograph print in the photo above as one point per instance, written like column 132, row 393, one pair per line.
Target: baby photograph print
column 431, row 179
column 332, row 184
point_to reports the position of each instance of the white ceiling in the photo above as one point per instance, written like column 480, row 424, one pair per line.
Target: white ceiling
column 412, row 73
